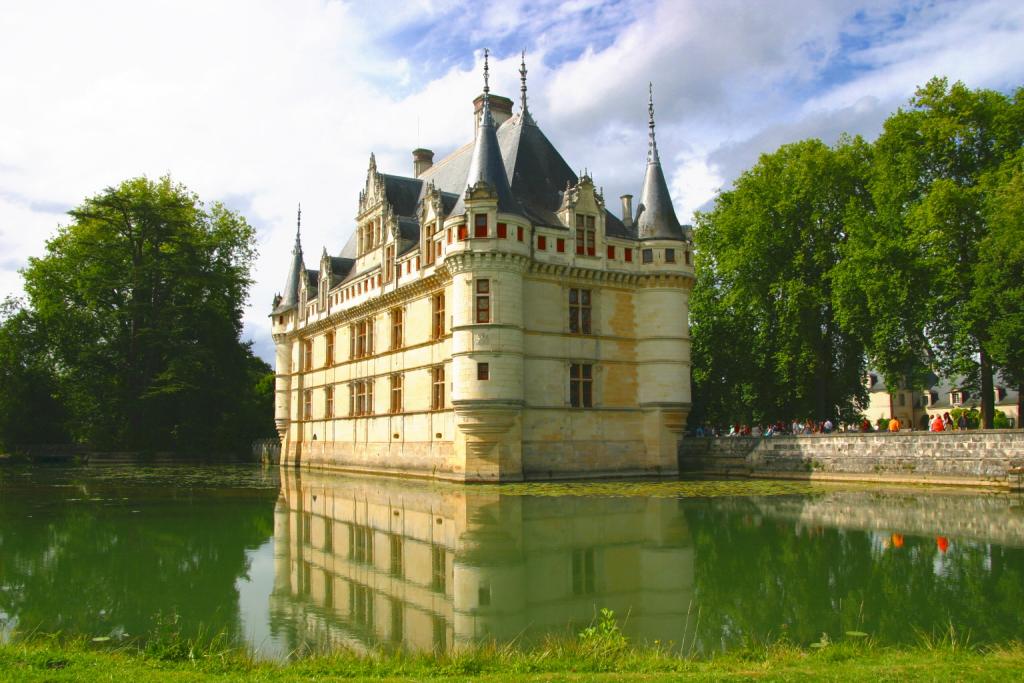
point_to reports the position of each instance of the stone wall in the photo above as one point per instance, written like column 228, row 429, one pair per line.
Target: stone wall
column 974, row 458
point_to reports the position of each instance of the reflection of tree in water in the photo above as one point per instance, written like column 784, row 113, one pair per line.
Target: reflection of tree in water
column 114, row 565
column 761, row 577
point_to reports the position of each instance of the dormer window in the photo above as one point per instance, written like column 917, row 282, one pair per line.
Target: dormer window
column 480, row 225
column 956, row 397
column 586, row 235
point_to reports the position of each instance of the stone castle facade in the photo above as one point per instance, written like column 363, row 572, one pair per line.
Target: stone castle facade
column 491, row 320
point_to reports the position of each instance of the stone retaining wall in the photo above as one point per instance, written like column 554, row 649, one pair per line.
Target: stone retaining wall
column 973, row 458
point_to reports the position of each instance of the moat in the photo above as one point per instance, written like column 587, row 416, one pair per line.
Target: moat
column 291, row 561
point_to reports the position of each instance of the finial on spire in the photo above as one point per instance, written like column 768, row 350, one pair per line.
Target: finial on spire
column 652, row 151
column 298, row 231
column 487, row 89
column 522, row 88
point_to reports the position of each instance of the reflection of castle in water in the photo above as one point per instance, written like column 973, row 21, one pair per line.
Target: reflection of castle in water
column 364, row 562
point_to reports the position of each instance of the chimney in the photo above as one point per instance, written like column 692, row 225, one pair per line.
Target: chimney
column 422, row 159
column 627, row 210
column 501, row 110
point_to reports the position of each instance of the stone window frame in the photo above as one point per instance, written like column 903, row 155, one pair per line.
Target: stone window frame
column 437, row 387
column 307, row 355
column 437, row 316
column 478, row 224
column 483, row 372
column 581, row 315
column 483, row 301
column 396, row 393
column 397, row 316
column 647, row 256
column 329, row 347
column 307, row 404
column 582, row 375
column 329, row 400
column 586, row 234
column 670, row 255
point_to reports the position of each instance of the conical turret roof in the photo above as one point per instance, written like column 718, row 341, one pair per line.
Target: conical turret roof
column 290, row 298
column 486, row 164
column 656, row 217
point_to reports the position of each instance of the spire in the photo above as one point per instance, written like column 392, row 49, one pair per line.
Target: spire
column 652, row 144
column 522, row 90
column 291, row 288
column 486, row 164
column 655, row 216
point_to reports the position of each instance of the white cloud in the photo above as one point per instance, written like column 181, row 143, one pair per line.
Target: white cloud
column 264, row 104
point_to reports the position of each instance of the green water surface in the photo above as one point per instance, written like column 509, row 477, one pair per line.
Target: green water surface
column 291, row 561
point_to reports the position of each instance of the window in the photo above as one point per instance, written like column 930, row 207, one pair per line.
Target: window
column 956, row 397
column 560, row 245
column 483, row 301
column 686, row 256
column 648, row 255
column 437, row 316
column 542, row 242
column 437, row 568
column 583, row 571
column 628, row 254
column 396, row 328
column 586, row 235
column 579, row 311
column 307, row 404
column 463, row 232
column 483, row 595
column 364, row 338
column 483, row 371
column 396, row 556
column 611, row 251
column 670, row 256
column 351, row 399
column 396, row 393
column 519, row 233
column 389, row 262
column 449, row 238
column 363, row 397
column 307, row 355
column 328, row 401
column 503, row 230
column 329, row 355
column 581, row 385
column 437, row 388
column 480, row 225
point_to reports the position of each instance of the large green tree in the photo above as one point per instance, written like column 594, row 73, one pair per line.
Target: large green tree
column 140, row 298
column 766, row 342
column 910, row 282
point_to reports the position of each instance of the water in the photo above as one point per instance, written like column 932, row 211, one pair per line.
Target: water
column 288, row 562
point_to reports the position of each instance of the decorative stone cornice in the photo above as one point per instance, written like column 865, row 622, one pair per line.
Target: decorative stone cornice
column 466, row 261
column 563, row 271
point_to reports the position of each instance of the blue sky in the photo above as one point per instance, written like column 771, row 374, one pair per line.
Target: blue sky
column 262, row 104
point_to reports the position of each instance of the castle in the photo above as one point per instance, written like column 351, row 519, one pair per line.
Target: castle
column 491, row 320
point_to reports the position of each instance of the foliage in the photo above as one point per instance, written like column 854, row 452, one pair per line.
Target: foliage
column 917, row 278
column 882, row 423
column 1000, row 420
column 31, row 409
column 973, row 416
column 604, row 637
column 766, row 341
column 139, row 303
column 47, row 659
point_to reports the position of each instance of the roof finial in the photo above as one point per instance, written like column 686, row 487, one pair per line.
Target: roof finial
column 298, row 231
column 487, row 89
column 652, row 151
column 522, row 88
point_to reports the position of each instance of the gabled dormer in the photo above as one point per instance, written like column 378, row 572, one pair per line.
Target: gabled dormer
column 583, row 212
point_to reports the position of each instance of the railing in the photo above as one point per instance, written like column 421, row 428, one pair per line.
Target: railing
column 267, row 450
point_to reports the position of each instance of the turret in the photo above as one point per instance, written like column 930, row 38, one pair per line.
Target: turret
column 286, row 303
column 290, row 298
column 655, row 217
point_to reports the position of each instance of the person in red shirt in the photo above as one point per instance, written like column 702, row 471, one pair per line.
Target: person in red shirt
column 937, row 425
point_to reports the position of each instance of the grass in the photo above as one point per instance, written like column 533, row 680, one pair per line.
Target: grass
column 596, row 655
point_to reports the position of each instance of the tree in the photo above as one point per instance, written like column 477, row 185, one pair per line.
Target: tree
column 31, row 409
column 1000, row 270
column 766, row 341
column 909, row 282
column 141, row 298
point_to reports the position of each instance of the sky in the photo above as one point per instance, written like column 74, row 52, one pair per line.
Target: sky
column 262, row 104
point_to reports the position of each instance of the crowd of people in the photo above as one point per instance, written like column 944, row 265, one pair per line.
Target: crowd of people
column 940, row 423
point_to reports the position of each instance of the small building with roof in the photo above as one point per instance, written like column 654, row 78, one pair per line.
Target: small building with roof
column 490, row 319
column 915, row 408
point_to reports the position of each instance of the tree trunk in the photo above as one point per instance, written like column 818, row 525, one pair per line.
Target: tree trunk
column 987, row 393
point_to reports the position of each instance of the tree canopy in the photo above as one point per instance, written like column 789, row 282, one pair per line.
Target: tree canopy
column 767, row 345
column 137, row 306
column 907, row 253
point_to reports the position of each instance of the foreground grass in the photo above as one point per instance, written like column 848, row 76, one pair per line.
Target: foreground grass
column 47, row 659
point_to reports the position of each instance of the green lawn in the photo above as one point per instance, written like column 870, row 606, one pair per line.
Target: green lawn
column 48, row 660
